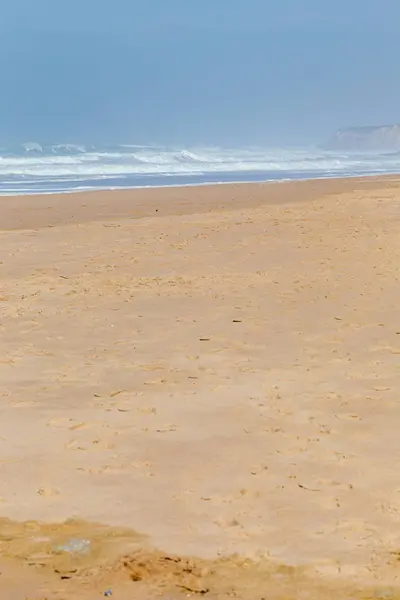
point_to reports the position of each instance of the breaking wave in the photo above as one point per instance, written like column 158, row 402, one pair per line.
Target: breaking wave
column 33, row 167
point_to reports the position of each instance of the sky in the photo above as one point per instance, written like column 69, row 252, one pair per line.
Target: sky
column 221, row 72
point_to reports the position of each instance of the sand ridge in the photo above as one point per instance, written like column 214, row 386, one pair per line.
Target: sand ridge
column 37, row 563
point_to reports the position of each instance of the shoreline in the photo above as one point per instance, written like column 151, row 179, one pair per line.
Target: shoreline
column 84, row 190
column 47, row 210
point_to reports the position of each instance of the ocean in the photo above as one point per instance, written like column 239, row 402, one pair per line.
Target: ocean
column 33, row 168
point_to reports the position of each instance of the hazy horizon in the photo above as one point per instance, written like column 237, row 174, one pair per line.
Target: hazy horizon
column 164, row 71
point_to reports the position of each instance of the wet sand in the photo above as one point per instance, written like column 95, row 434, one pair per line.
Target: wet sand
column 206, row 381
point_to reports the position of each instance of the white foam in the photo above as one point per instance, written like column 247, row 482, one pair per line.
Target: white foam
column 33, row 164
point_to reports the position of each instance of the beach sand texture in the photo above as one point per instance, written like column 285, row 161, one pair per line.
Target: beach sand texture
column 206, row 381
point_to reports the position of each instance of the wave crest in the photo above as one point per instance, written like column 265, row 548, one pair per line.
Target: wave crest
column 32, row 165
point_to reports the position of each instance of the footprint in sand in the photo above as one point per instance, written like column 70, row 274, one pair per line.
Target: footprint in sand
column 47, row 492
column 61, row 422
column 90, row 446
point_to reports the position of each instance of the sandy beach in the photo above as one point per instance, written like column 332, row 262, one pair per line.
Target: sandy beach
column 201, row 385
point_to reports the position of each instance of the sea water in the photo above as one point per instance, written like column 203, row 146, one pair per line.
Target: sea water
column 36, row 168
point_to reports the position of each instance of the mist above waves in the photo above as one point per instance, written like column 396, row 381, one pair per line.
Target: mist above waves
column 250, row 75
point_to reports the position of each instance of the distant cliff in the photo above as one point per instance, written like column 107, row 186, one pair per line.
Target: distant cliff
column 383, row 137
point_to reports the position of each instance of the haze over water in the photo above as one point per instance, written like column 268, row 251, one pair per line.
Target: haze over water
column 101, row 94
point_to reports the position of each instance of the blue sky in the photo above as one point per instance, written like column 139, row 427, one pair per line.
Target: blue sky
column 196, row 71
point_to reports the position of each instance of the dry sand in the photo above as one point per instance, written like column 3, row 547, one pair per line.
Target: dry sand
column 209, row 373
